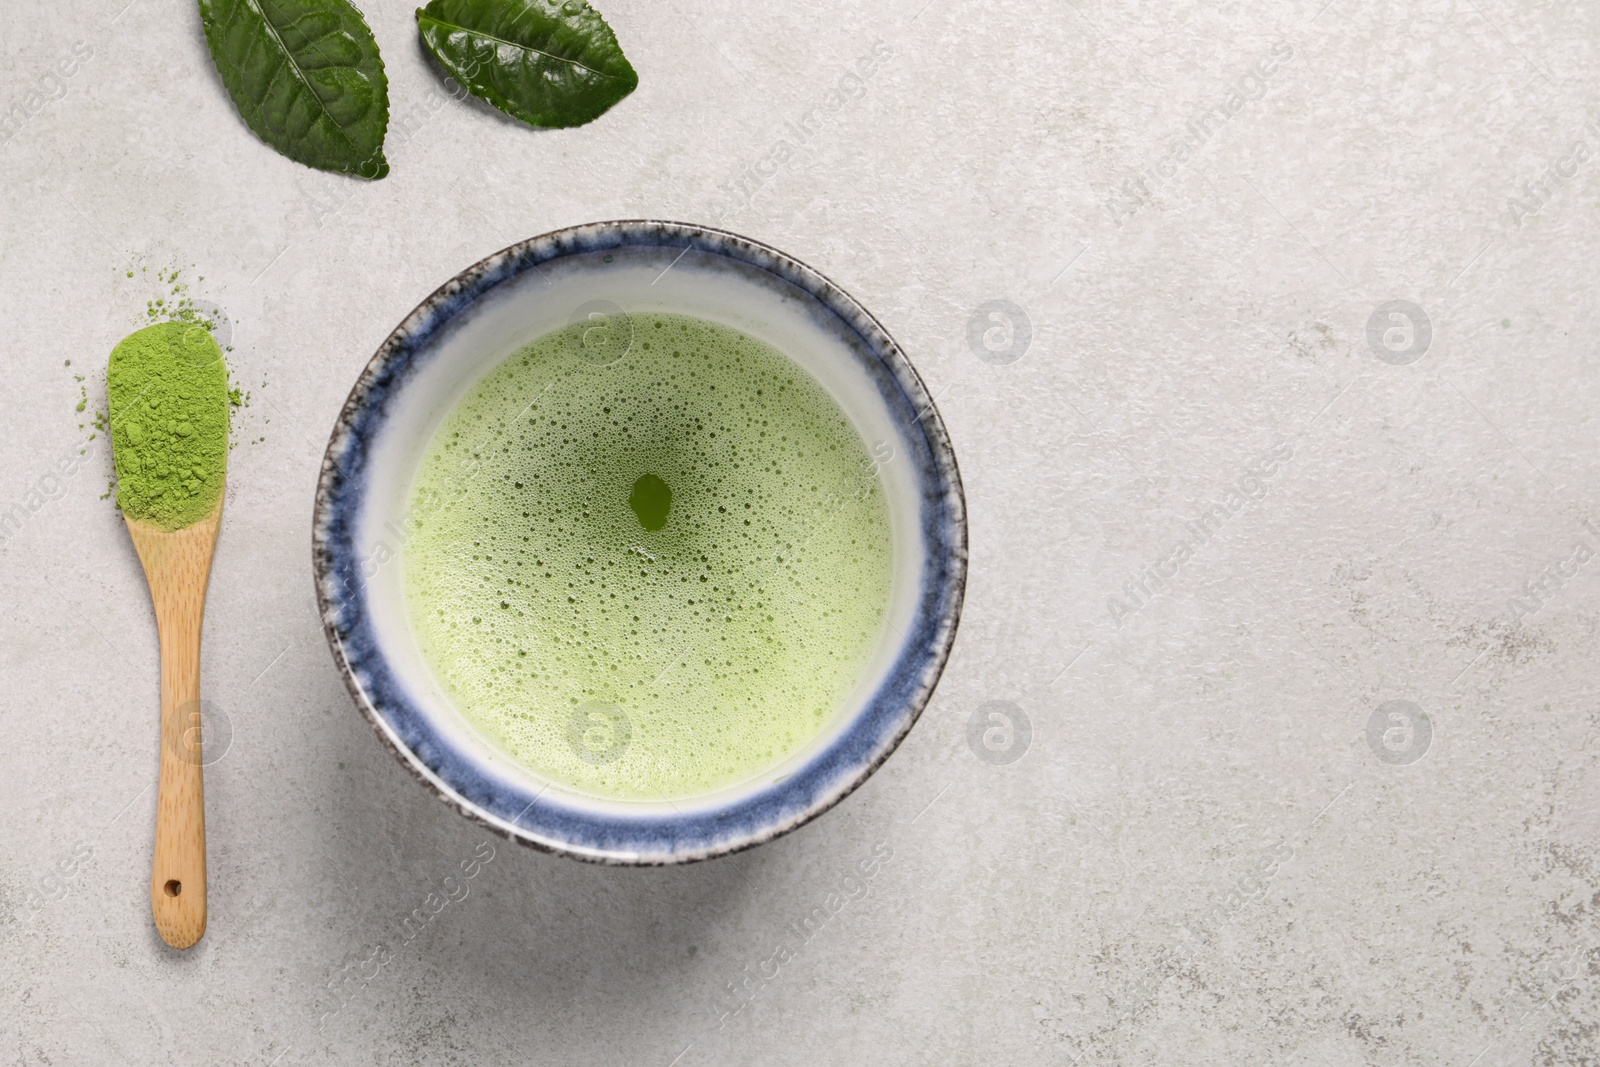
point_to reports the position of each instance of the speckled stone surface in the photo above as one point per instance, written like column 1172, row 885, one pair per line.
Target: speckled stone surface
column 1270, row 732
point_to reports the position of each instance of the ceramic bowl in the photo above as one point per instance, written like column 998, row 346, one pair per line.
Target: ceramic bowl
column 488, row 312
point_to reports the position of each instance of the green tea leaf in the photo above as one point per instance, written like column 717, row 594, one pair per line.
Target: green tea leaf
column 545, row 62
column 306, row 77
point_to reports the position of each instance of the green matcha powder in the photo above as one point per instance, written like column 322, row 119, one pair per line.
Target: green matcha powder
column 168, row 391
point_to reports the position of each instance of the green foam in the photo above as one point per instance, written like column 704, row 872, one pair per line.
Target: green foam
column 651, row 578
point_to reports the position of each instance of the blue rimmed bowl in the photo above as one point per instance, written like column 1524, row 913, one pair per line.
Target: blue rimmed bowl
column 487, row 313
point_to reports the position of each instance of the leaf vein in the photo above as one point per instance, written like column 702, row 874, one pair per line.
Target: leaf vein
column 293, row 64
column 524, row 47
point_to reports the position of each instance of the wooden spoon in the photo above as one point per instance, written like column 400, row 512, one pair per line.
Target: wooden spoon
column 177, row 566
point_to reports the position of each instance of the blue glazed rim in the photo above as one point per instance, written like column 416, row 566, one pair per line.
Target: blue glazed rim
column 523, row 812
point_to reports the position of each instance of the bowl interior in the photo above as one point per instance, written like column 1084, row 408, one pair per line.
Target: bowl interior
column 461, row 334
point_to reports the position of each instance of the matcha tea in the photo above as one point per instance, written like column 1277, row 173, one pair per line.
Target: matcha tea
column 652, row 577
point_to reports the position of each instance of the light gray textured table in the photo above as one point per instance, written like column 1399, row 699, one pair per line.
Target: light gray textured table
column 1222, row 844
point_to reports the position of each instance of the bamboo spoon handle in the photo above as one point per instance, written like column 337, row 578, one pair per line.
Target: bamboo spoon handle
column 177, row 565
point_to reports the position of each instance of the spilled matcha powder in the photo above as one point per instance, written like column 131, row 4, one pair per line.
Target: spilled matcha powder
column 167, row 387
